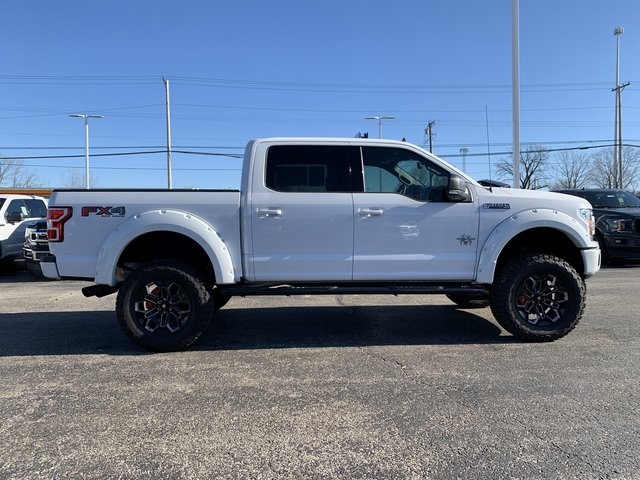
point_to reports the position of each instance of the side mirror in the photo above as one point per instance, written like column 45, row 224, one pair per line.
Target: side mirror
column 15, row 217
column 458, row 191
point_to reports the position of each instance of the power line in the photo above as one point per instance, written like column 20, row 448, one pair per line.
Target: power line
column 291, row 86
column 128, row 147
column 121, row 154
column 551, row 150
column 239, row 156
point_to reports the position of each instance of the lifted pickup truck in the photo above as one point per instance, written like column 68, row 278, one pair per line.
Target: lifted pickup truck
column 326, row 216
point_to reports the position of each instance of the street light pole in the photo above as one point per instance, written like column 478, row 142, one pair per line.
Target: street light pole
column 86, row 118
column 379, row 118
column 515, row 90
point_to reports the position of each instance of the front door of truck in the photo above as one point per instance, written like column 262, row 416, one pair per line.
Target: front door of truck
column 405, row 227
column 302, row 214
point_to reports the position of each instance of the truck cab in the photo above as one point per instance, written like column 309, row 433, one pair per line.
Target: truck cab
column 16, row 211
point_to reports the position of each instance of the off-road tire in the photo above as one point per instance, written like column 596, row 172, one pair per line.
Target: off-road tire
column 538, row 297
column 164, row 305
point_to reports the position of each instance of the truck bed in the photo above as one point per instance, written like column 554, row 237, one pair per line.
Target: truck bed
column 99, row 213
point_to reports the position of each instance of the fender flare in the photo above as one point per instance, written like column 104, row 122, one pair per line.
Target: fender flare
column 163, row 221
column 520, row 222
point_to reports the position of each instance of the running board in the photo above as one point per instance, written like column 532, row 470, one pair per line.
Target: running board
column 351, row 289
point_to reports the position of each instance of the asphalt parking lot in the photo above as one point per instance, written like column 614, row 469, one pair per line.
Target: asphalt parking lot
column 353, row 387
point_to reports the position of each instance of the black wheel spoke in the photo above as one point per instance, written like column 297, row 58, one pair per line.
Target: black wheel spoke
column 165, row 306
column 540, row 299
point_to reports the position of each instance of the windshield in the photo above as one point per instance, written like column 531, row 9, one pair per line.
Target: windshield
column 612, row 199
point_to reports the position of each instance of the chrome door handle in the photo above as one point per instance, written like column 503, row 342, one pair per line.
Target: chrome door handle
column 269, row 212
column 370, row 212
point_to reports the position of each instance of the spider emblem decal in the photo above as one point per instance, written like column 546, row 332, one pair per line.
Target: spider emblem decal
column 465, row 239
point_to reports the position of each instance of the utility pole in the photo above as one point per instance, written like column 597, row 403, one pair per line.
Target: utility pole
column 166, row 93
column 617, row 143
column 429, row 132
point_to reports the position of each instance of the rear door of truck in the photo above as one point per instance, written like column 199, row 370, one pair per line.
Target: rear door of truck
column 301, row 214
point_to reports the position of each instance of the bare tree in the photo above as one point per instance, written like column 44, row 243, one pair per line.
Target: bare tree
column 5, row 170
column 533, row 163
column 603, row 170
column 13, row 174
column 75, row 179
column 572, row 170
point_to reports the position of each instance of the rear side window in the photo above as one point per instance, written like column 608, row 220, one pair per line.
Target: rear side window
column 308, row 168
column 35, row 208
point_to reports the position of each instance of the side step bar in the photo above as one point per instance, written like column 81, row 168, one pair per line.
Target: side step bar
column 247, row 290
column 351, row 289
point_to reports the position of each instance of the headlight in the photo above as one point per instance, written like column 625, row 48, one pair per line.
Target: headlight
column 615, row 225
column 587, row 216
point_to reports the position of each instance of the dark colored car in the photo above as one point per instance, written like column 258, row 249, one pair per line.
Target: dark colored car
column 493, row 183
column 36, row 246
column 617, row 216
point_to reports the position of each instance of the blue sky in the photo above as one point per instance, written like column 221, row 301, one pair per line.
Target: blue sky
column 245, row 69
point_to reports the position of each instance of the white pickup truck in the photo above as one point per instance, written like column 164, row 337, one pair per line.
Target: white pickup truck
column 15, row 212
column 327, row 216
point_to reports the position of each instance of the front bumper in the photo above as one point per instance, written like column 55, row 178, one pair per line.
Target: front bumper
column 34, row 254
column 622, row 246
column 591, row 259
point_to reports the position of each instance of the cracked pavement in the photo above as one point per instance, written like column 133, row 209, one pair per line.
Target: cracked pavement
column 371, row 387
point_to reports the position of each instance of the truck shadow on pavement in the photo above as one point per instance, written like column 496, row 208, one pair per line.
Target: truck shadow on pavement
column 347, row 326
column 97, row 332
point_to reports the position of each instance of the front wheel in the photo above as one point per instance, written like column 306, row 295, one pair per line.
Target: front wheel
column 538, row 297
column 164, row 306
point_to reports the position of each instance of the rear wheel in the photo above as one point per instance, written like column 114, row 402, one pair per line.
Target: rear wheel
column 538, row 297
column 164, row 306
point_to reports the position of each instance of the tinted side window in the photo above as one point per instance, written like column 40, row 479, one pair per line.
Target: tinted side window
column 308, row 168
column 29, row 208
column 396, row 170
column 35, row 208
column 16, row 206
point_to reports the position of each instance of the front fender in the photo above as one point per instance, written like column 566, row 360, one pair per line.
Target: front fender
column 505, row 231
column 167, row 221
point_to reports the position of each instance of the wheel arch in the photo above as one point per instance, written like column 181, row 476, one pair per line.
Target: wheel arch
column 540, row 231
column 169, row 234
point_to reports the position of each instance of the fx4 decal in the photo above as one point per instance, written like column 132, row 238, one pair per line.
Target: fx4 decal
column 103, row 211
